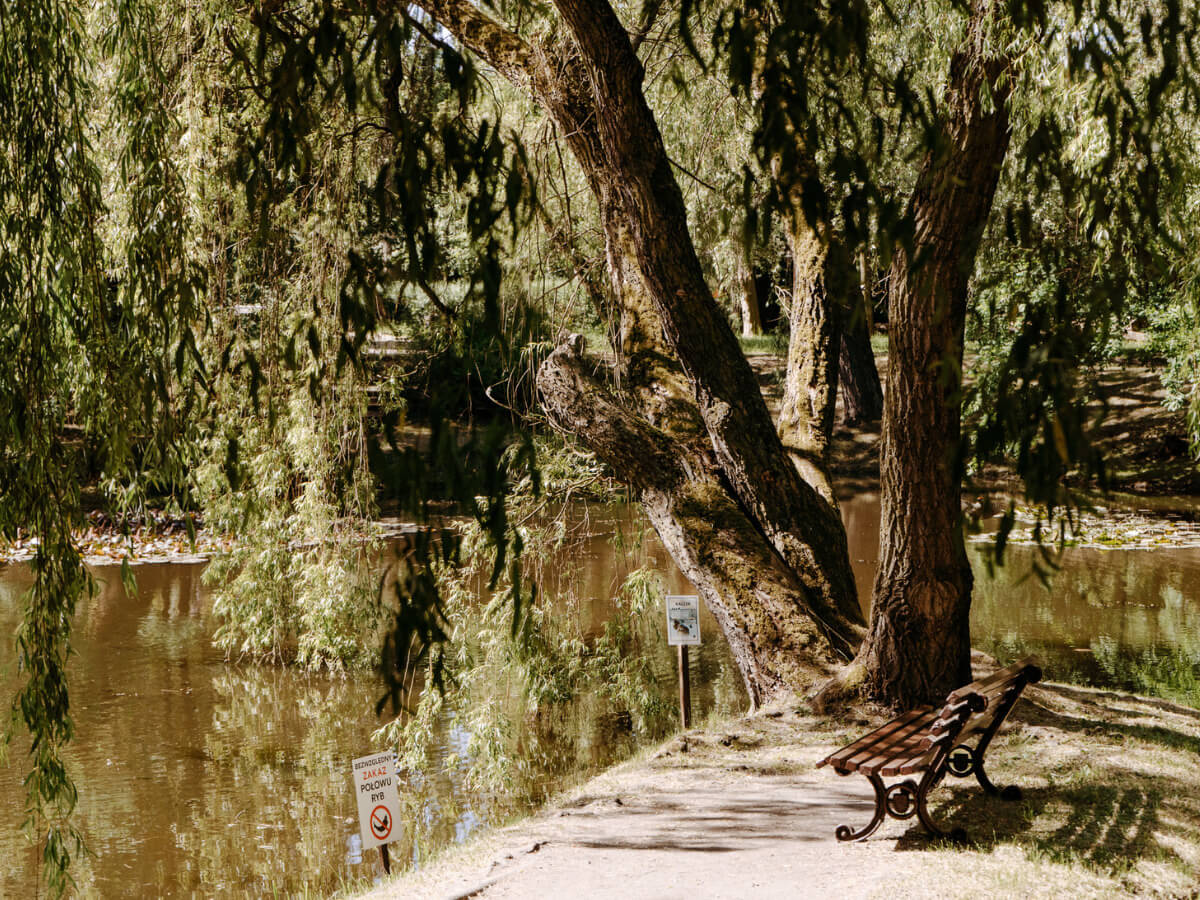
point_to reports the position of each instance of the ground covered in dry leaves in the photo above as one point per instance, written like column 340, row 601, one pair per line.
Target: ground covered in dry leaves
column 1111, row 808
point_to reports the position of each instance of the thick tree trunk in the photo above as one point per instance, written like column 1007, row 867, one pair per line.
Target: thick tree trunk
column 765, row 549
column 862, row 393
column 919, row 643
column 760, row 603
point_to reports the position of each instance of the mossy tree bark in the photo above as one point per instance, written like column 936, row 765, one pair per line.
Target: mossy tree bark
column 689, row 428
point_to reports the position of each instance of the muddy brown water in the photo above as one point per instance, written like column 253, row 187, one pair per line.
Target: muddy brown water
column 201, row 778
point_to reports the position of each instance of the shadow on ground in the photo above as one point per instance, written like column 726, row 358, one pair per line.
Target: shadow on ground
column 1100, row 805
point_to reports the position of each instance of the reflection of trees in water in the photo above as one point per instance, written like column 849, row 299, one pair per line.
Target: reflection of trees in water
column 1129, row 619
column 586, row 681
column 275, row 804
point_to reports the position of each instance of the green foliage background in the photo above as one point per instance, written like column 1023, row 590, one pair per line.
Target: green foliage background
column 215, row 215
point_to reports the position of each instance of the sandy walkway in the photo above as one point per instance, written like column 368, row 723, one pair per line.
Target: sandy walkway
column 706, row 836
column 1112, row 809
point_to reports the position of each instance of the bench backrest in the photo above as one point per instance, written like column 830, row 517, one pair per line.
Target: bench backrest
column 999, row 691
column 960, row 707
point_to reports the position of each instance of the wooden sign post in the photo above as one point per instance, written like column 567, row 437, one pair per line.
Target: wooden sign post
column 683, row 631
column 685, row 689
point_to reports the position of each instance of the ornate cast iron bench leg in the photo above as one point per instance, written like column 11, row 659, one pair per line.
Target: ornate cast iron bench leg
column 844, row 832
column 902, row 800
column 928, row 783
column 966, row 761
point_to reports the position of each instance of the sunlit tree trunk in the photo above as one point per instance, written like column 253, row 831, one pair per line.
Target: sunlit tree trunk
column 748, row 305
column 918, row 646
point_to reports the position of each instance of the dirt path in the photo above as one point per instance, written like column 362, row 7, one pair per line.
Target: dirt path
column 1111, row 809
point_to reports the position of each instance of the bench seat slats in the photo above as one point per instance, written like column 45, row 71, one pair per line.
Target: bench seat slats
column 909, row 766
column 902, row 750
column 913, row 751
column 885, row 744
column 880, row 737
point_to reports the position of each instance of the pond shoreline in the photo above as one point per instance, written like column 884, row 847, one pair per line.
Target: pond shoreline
column 736, row 808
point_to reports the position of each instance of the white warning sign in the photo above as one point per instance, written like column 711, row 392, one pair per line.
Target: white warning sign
column 683, row 620
column 378, row 798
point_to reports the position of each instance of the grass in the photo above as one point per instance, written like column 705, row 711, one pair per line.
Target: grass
column 773, row 344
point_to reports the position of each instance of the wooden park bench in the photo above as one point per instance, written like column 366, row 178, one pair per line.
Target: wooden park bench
column 931, row 742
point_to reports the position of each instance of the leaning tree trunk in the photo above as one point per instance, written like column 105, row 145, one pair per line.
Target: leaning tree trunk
column 689, row 429
column 919, row 646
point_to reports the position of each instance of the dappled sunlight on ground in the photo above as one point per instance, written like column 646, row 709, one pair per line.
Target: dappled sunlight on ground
column 1111, row 807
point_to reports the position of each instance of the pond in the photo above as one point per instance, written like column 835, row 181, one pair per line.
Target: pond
column 201, row 778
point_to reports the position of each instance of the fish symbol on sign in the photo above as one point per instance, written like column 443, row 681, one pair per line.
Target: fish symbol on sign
column 381, row 826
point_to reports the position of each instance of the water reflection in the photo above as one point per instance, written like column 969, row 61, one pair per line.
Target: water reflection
column 1127, row 619
column 196, row 778
column 202, row 779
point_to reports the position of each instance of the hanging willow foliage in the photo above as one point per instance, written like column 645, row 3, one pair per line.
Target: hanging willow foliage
column 96, row 339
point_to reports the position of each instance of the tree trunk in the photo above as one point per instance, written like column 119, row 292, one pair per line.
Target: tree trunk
column 748, row 300
column 862, row 393
column 694, row 438
column 919, row 644
column 806, row 416
column 762, row 605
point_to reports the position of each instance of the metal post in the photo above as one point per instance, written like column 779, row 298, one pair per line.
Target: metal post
column 387, row 862
column 685, row 689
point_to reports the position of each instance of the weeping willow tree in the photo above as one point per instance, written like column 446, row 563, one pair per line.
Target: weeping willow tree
column 99, row 316
column 353, row 134
column 182, row 291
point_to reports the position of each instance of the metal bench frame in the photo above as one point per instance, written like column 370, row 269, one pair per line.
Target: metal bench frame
column 934, row 742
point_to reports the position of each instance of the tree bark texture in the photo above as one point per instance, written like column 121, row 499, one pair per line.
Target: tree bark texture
column 690, row 429
column 810, row 392
column 760, row 603
column 858, row 376
column 918, row 647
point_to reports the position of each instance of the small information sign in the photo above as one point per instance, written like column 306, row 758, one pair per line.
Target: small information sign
column 683, row 620
column 378, row 798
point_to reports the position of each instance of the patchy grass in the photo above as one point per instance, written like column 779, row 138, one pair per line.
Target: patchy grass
column 774, row 344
